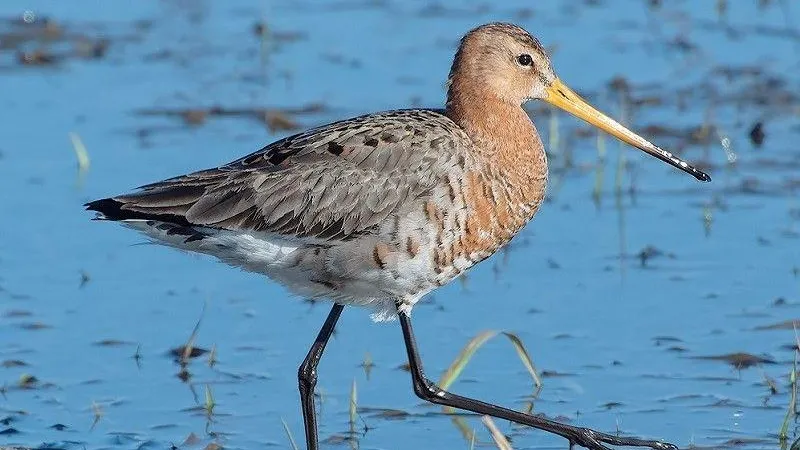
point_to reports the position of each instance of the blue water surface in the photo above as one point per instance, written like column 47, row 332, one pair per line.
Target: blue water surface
column 630, row 273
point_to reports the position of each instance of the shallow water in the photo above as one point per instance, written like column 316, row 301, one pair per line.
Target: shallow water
column 629, row 277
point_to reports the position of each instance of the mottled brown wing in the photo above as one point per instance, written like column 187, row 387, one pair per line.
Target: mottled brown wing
column 331, row 183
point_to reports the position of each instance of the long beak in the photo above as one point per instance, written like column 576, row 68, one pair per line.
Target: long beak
column 558, row 94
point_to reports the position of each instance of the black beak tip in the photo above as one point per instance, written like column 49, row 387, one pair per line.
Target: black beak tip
column 702, row 176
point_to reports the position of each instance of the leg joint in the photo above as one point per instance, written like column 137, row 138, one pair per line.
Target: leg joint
column 307, row 376
column 428, row 390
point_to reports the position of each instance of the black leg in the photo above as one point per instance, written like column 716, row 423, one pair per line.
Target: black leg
column 585, row 437
column 307, row 376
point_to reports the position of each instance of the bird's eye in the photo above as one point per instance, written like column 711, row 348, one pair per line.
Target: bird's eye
column 524, row 60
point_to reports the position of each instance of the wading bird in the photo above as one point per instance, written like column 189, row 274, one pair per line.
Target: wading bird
column 381, row 209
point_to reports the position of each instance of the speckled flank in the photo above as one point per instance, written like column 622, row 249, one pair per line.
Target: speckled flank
column 379, row 208
column 412, row 246
column 381, row 255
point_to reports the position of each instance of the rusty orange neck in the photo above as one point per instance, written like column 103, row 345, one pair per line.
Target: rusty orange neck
column 505, row 140
column 508, row 183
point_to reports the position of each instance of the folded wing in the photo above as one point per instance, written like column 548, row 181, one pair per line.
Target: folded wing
column 330, row 183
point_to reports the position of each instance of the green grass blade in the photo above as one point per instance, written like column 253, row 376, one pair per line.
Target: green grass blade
column 524, row 356
column 353, row 407
column 80, row 152
column 289, row 435
column 460, row 362
column 455, row 369
column 783, row 433
column 499, row 438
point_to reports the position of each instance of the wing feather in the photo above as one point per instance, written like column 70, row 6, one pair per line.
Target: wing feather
column 334, row 182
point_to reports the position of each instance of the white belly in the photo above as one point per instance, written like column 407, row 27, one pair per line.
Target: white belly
column 343, row 273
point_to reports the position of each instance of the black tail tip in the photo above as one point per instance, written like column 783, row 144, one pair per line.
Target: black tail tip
column 107, row 208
